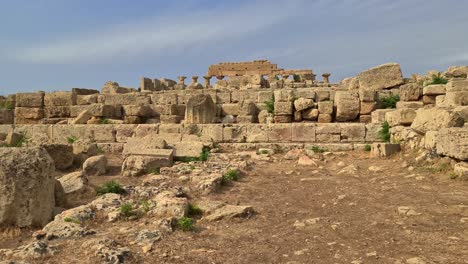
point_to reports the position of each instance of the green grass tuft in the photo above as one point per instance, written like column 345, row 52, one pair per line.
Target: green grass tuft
column 194, row 209
column 110, row 187
column 437, row 79
column 229, row 176
column 71, row 220
column 367, row 147
column 317, row 149
column 72, row 139
column 270, row 106
column 389, row 102
column 384, row 132
column 185, row 224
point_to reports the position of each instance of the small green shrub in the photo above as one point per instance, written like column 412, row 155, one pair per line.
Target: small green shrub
column 72, row 139
column 296, row 78
column 71, row 220
column 270, row 106
column 367, row 147
column 437, row 79
column 317, row 149
column 110, row 187
column 389, row 102
column 7, row 105
column 154, row 171
column 204, row 154
column 453, row 176
column 99, row 151
column 126, row 210
column 185, row 224
column 20, row 143
column 104, row 121
column 384, row 132
column 194, row 210
column 230, row 175
column 263, row 151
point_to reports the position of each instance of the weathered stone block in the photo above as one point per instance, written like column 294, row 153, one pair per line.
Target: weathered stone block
column 347, row 106
column 436, row 89
column 429, row 99
column 200, row 110
column 365, row 118
column 27, row 187
column 137, row 110
column 283, row 118
column 367, row 107
column 303, row 104
column 456, row 85
column 280, row 133
column 353, row 132
column 30, row 100
column 378, row 116
column 381, row 77
column 310, row 114
column 230, row 109
column 322, row 96
column 62, row 154
column 264, row 96
column 413, row 105
column 410, row 92
column 435, row 119
column 283, row 108
column 384, row 149
column 324, row 118
column 402, row 117
column 86, row 99
column 247, row 107
column 170, row 119
column 367, row 95
column 284, row 95
column 325, row 107
column 453, row 142
column 59, row 99
column 57, row 111
column 303, row 132
column 29, row 113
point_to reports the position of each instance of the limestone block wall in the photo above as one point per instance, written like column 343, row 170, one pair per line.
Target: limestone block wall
column 117, row 135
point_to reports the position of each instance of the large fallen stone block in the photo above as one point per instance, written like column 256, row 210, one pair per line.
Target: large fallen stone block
column 303, row 104
column 384, row 149
column 457, row 71
column 381, row 77
column 283, row 108
column 453, row 142
column 27, row 187
column 435, row 119
column 136, row 165
column 347, row 106
column 188, row 149
column 75, row 186
column 29, row 113
column 95, row 166
column 62, row 155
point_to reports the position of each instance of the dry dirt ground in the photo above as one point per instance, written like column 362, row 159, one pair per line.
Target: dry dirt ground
column 310, row 214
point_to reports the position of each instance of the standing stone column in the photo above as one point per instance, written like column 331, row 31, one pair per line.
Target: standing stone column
column 326, row 78
column 207, row 81
column 220, row 77
column 182, row 80
column 194, row 79
column 200, row 110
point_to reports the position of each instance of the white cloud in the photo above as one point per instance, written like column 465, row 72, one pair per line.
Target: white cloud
column 155, row 36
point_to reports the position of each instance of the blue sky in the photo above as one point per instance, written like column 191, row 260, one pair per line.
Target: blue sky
column 54, row 45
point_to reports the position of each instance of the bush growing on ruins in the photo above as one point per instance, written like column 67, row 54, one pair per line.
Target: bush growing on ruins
column 390, row 101
column 270, row 106
column 367, row 147
column 230, row 175
column 110, row 187
column 317, row 149
column 384, row 132
column 145, row 205
column 72, row 139
column 263, row 151
column 437, row 79
column 453, row 176
column 296, row 78
column 194, row 210
column 185, row 224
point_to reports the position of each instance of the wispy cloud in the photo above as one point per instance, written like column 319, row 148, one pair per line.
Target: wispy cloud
column 154, row 36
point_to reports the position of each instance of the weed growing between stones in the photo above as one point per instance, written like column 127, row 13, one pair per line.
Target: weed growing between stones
column 194, row 210
column 185, row 224
column 389, row 102
column 110, row 187
column 317, row 149
column 384, row 132
column 367, row 147
column 229, row 176
column 437, row 79
column 71, row 139
column 270, row 106
column 71, row 220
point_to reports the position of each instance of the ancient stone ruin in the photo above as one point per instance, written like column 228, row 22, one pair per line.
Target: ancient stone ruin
column 174, row 142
